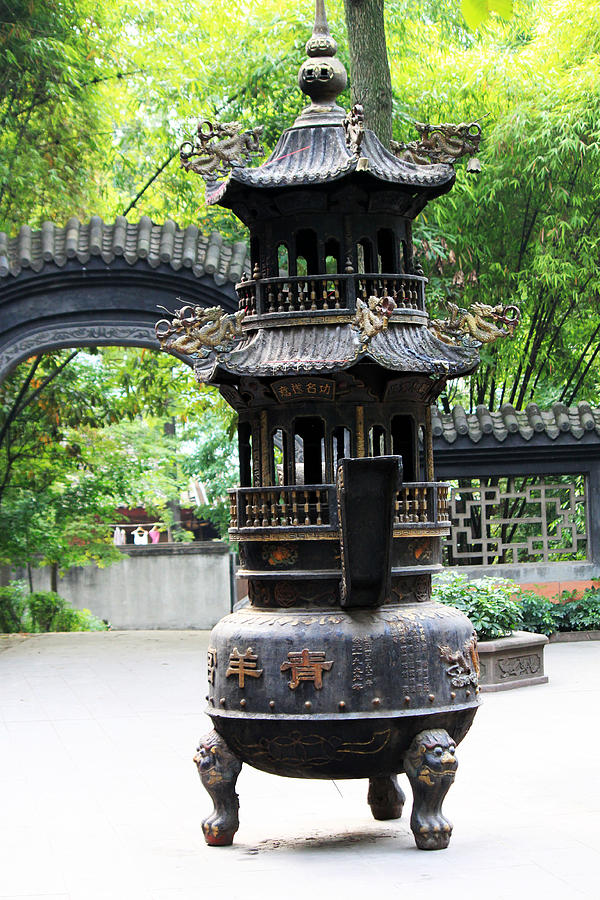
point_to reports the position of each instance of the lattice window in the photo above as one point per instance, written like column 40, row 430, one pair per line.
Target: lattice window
column 517, row 520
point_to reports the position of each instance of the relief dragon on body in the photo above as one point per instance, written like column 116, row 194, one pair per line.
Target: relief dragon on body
column 198, row 330
column 218, row 148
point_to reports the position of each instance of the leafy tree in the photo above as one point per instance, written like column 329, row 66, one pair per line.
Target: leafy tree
column 74, row 446
column 95, row 102
column 214, row 459
column 527, row 230
column 54, row 58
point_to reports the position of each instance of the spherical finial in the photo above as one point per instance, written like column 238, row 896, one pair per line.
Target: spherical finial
column 322, row 77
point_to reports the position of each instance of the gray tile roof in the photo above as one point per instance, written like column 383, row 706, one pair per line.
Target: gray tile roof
column 551, row 423
column 310, row 348
column 143, row 240
column 318, row 154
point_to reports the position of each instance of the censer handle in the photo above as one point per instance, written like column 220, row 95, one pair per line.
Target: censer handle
column 366, row 493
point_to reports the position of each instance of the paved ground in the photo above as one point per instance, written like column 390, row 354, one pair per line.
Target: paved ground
column 99, row 798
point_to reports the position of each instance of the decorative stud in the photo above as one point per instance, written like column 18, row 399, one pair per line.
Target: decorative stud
column 342, row 705
column 242, row 703
column 308, row 705
column 468, row 693
column 453, row 695
column 222, row 701
column 376, row 701
column 272, row 704
column 407, row 699
column 431, row 698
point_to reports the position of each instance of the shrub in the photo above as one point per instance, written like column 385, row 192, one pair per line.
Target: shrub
column 42, row 611
column 13, row 602
column 579, row 615
column 486, row 601
column 497, row 606
column 44, row 606
column 538, row 612
column 69, row 619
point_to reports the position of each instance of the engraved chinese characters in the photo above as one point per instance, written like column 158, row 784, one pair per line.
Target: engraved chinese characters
column 304, row 389
column 243, row 665
column 211, row 660
column 306, row 666
column 303, row 665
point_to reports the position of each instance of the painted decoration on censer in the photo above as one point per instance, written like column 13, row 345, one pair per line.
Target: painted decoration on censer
column 341, row 666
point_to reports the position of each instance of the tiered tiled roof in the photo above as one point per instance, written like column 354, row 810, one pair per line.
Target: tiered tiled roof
column 319, row 154
column 312, row 348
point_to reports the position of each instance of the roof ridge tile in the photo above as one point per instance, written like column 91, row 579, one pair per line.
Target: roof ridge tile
column 552, row 422
column 157, row 244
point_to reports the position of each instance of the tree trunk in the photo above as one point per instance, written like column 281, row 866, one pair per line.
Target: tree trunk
column 54, row 577
column 369, row 67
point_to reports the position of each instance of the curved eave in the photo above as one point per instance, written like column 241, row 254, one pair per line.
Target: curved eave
column 318, row 155
column 314, row 349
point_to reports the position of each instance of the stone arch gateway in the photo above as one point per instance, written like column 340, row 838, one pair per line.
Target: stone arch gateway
column 99, row 284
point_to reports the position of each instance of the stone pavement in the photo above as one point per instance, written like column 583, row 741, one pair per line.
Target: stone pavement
column 99, row 797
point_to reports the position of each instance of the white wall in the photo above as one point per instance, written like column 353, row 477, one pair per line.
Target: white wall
column 161, row 586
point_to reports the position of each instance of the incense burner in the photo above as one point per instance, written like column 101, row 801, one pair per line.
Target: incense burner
column 341, row 666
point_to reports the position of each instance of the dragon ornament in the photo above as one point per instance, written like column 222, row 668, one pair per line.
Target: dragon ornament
column 218, row 148
column 354, row 128
column 198, row 330
column 472, row 327
column 442, row 144
column 372, row 316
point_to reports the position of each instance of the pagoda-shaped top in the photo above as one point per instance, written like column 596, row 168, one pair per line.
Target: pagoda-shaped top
column 326, row 144
column 333, row 284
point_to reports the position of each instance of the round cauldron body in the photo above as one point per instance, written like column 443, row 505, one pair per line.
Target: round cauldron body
column 335, row 693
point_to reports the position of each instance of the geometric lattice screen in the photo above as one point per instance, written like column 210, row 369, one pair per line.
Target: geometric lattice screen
column 517, row 519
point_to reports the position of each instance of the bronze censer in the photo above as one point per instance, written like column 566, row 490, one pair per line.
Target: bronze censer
column 341, row 666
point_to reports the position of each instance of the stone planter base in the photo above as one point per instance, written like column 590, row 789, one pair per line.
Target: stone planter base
column 565, row 637
column 512, row 662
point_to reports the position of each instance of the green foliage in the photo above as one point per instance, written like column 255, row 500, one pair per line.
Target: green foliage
column 13, row 603
column 581, row 614
column 486, row 601
column 74, row 445
column 527, row 229
column 214, row 460
column 496, row 606
column 44, row 606
column 477, row 11
column 54, row 58
column 538, row 613
column 42, row 611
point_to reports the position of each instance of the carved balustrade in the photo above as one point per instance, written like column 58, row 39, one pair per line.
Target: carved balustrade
column 283, row 507
column 335, row 293
column 315, row 507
